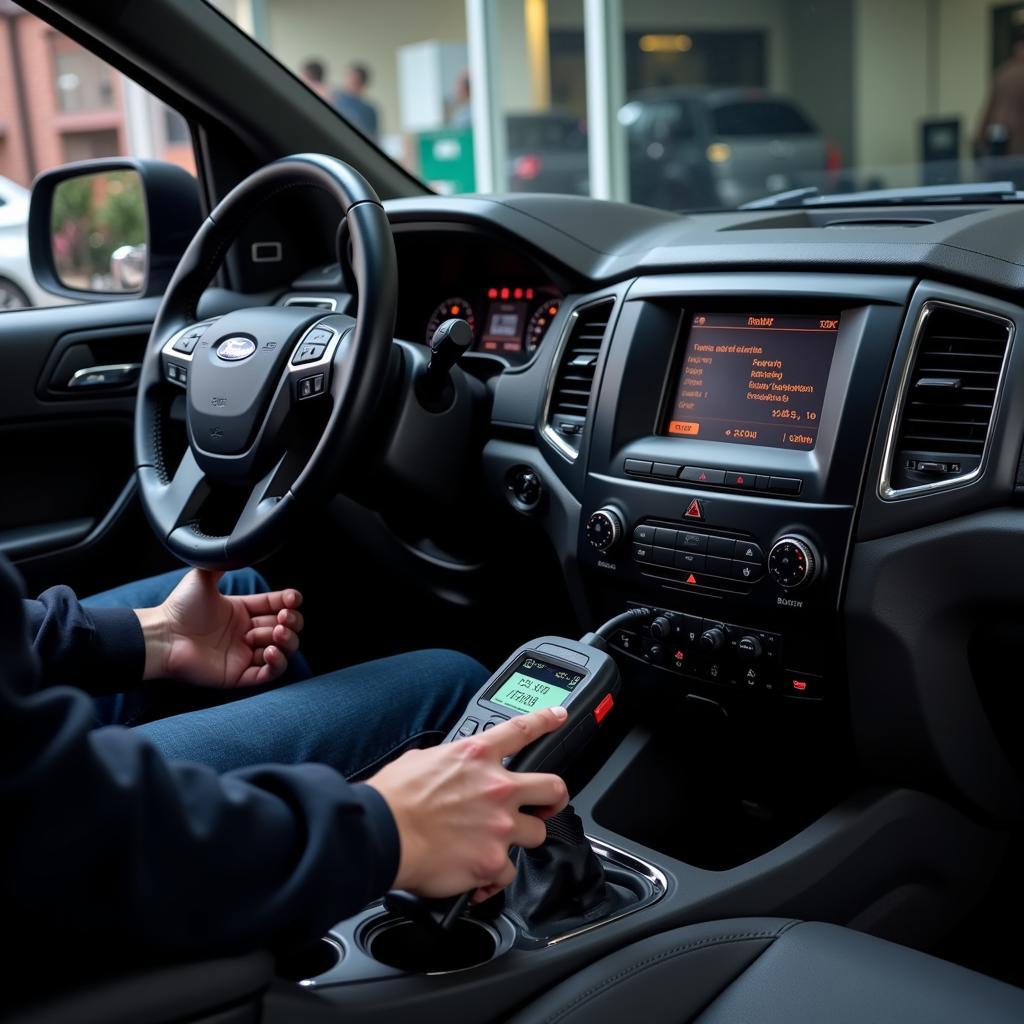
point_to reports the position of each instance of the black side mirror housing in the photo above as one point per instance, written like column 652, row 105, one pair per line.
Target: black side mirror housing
column 172, row 213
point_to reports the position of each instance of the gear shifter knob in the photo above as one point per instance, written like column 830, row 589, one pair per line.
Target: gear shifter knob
column 447, row 346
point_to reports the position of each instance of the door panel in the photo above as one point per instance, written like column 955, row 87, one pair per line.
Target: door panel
column 67, row 512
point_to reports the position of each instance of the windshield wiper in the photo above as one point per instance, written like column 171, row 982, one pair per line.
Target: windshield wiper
column 973, row 192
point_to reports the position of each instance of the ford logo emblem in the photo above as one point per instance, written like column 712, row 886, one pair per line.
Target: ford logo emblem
column 233, row 349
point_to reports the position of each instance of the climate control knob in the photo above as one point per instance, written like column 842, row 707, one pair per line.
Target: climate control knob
column 713, row 639
column 793, row 562
column 604, row 529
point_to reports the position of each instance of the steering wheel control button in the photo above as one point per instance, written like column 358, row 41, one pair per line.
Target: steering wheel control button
column 186, row 344
column 310, row 387
column 235, row 349
column 308, row 352
column 604, row 529
column 793, row 563
column 319, row 336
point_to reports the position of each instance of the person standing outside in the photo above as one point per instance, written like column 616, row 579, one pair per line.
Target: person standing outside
column 350, row 101
column 1000, row 136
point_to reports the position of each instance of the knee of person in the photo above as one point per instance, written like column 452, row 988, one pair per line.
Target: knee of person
column 243, row 581
column 458, row 672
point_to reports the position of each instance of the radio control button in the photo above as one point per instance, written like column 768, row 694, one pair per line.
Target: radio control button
column 668, row 470
column 638, row 467
column 784, row 485
column 687, row 541
column 718, row 566
column 749, row 572
column 642, row 552
column 664, row 556
column 748, row 551
column 604, row 529
column 744, row 481
column 702, row 475
column 643, row 534
column 690, row 561
column 665, row 538
column 793, row 562
column 721, row 547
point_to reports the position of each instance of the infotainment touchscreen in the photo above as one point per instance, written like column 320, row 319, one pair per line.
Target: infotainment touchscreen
column 753, row 379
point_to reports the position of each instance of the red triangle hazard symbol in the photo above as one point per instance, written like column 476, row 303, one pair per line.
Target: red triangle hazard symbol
column 691, row 578
column 693, row 510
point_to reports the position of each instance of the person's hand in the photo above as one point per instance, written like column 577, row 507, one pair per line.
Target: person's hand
column 458, row 810
column 200, row 636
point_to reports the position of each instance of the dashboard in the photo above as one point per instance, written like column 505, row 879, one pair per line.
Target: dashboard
column 797, row 434
column 508, row 299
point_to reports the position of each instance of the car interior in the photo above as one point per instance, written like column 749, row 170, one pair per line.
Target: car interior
column 776, row 451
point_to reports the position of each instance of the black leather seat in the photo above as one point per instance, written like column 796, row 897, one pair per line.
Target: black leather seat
column 774, row 971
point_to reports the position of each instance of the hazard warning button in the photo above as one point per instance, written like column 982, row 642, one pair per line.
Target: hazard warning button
column 694, row 511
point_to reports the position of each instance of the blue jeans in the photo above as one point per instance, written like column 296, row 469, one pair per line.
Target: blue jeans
column 354, row 719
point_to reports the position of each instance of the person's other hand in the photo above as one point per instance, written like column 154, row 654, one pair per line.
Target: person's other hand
column 201, row 636
column 458, row 810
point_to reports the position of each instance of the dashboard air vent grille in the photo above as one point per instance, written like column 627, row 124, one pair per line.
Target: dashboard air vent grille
column 948, row 399
column 574, row 376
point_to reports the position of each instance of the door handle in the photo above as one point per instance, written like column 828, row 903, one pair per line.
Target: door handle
column 114, row 375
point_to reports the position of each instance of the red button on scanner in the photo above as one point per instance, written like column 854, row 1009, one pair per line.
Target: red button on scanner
column 602, row 709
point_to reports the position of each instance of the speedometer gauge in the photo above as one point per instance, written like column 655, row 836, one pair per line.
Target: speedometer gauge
column 451, row 308
column 539, row 324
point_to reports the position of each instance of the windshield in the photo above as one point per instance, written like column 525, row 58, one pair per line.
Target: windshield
column 702, row 104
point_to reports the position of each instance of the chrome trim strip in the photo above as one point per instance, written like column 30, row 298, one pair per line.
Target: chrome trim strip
column 566, row 451
column 885, row 489
column 613, row 854
column 313, row 302
column 551, row 435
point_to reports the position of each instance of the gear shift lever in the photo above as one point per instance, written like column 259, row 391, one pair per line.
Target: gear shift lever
column 450, row 342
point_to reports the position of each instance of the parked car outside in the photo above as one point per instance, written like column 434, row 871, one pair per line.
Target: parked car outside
column 714, row 148
column 547, row 153
column 18, row 288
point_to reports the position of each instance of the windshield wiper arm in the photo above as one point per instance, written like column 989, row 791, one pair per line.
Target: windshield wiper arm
column 975, row 192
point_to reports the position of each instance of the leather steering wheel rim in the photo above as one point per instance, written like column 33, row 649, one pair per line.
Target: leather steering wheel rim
column 353, row 372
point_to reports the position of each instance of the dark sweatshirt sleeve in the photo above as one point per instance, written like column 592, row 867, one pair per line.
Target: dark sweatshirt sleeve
column 99, row 650
column 123, row 854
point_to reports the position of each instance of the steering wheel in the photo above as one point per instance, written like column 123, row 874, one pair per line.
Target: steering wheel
column 276, row 398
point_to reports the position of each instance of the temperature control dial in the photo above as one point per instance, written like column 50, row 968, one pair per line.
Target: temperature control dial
column 604, row 529
column 793, row 562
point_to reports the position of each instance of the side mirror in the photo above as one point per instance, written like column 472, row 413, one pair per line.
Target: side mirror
column 110, row 229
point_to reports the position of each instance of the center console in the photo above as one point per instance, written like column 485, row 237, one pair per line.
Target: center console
column 724, row 466
column 700, row 447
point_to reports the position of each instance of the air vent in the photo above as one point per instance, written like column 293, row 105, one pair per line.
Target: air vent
column 948, row 400
column 569, row 396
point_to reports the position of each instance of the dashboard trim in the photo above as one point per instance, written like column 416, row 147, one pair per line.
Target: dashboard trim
column 885, row 489
column 550, row 434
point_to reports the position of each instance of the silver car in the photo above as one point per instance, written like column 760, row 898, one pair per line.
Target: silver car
column 714, row 148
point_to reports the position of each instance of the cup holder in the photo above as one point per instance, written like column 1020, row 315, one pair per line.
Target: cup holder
column 416, row 949
column 308, row 962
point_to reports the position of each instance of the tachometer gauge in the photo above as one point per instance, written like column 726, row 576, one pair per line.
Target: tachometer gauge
column 451, row 308
column 539, row 324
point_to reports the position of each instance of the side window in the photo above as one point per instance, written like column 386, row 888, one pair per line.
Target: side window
column 60, row 103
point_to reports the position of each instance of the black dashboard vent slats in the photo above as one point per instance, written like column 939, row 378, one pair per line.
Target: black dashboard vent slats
column 948, row 399
column 573, row 381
